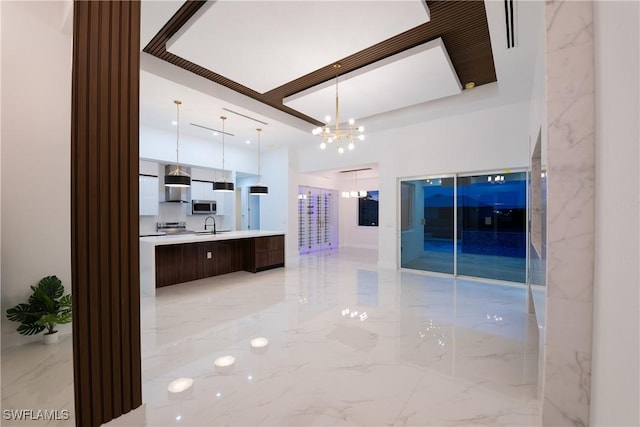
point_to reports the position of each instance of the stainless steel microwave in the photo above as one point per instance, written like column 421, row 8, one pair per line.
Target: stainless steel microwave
column 203, row 207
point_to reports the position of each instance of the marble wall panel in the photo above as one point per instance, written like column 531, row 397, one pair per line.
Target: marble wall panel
column 571, row 212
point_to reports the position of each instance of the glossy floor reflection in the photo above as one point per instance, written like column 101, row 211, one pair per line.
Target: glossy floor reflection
column 497, row 267
column 348, row 344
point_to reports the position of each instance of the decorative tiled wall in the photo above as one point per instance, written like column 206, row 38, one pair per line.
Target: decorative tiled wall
column 571, row 210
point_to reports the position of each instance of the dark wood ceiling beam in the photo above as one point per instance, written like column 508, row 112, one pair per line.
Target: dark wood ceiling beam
column 461, row 24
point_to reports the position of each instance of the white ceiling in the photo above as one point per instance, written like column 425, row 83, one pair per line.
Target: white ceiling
column 203, row 100
column 283, row 40
column 158, row 110
column 395, row 82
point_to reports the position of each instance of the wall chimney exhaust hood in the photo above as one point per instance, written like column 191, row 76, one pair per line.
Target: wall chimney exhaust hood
column 177, row 194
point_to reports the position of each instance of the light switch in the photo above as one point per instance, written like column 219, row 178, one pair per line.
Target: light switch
column 209, row 255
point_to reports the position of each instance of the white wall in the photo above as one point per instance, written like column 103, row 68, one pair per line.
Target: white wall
column 275, row 174
column 538, row 107
column 615, row 372
column 36, row 117
column 158, row 145
column 485, row 140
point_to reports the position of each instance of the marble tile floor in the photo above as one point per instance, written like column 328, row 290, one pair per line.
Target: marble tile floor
column 349, row 344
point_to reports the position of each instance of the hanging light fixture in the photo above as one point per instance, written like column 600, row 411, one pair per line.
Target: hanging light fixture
column 337, row 134
column 259, row 189
column 177, row 177
column 223, row 185
column 355, row 193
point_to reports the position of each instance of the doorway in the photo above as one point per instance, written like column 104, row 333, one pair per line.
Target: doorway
column 253, row 211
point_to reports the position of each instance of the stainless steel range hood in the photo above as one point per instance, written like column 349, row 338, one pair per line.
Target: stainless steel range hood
column 177, row 194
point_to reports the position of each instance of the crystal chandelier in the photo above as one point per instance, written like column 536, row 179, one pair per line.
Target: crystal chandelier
column 337, row 134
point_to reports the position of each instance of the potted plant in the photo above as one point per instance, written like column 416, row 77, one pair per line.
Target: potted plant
column 46, row 308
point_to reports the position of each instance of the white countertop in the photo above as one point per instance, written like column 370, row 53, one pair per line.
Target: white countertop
column 194, row 238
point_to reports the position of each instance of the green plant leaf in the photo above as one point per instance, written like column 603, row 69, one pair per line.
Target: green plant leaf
column 46, row 302
column 51, row 286
column 30, row 329
column 64, row 318
column 22, row 313
column 65, row 301
column 46, row 307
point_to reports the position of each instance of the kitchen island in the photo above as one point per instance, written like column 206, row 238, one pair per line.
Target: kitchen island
column 171, row 259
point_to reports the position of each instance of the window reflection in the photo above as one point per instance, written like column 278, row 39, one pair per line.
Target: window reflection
column 487, row 240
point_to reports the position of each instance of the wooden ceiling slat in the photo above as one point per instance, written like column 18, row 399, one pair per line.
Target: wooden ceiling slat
column 461, row 24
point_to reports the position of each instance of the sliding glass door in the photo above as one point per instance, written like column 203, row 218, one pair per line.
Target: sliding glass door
column 428, row 233
column 466, row 225
column 491, row 226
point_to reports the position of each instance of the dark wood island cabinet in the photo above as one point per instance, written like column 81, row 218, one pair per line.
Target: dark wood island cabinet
column 265, row 253
column 183, row 262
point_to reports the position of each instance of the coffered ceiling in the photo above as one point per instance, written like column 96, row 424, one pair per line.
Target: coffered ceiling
column 273, row 61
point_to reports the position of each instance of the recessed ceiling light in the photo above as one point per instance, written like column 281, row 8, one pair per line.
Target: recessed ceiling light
column 173, row 122
column 469, row 85
column 248, row 142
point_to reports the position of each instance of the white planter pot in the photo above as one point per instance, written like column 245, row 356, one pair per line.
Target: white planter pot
column 51, row 338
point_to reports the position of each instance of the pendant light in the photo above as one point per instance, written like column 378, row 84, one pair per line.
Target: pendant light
column 354, row 193
column 223, row 185
column 259, row 189
column 177, row 177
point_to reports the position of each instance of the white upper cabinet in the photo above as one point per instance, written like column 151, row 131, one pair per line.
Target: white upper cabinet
column 223, row 202
column 202, row 190
column 148, row 193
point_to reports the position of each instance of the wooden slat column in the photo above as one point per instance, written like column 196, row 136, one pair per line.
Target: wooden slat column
column 104, row 211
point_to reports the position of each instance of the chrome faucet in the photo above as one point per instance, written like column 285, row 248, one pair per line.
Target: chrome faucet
column 214, row 223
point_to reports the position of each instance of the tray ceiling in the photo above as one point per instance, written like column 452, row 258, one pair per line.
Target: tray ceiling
column 252, row 43
column 390, row 84
column 280, row 53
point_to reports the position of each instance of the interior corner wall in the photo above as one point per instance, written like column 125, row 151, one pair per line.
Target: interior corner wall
column 615, row 371
column 274, row 167
column 538, row 108
column 486, row 140
column 36, row 192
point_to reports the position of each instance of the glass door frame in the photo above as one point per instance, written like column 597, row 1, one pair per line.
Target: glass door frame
column 455, row 222
column 455, row 177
